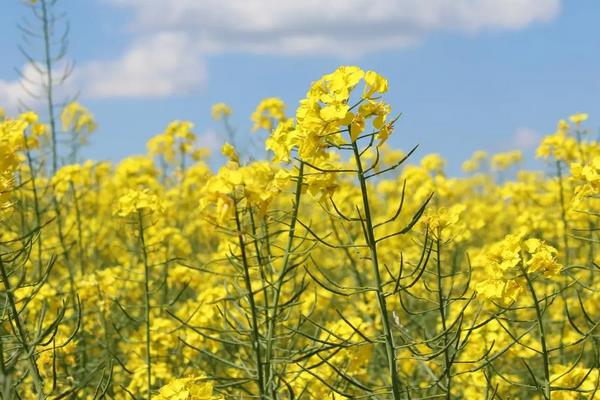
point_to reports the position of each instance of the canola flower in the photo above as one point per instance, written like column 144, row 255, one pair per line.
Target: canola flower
column 136, row 201
column 77, row 118
column 220, row 111
column 507, row 261
column 268, row 112
column 193, row 388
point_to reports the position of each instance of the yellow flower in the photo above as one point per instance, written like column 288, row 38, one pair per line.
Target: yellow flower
column 66, row 176
column 220, row 111
column 543, row 257
column 174, row 143
column 503, row 161
column 374, row 83
column 229, row 151
column 578, row 118
column 558, row 145
column 443, row 218
column 193, row 388
column 11, row 142
column 333, row 112
column 282, row 141
column 433, row 163
column 77, row 118
column 268, row 111
column 137, row 201
column 474, row 163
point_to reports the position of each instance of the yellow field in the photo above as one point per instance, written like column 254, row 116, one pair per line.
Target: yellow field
column 336, row 268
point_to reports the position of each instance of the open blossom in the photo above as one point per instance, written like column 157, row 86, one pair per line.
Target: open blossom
column 192, row 388
column 136, row 201
column 560, row 145
column 578, row 118
column 374, row 84
column 174, row 143
column 474, row 163
column 444, row 223
column 503, row 161
column 10, row 143
column 77, row 118
column 327, row 111
column 256, row 184
column 281, row 142
column 220, row 111
column 267, row 112
column 433, row 163
column 229, row 151
column 504, row 264
column 69, row 175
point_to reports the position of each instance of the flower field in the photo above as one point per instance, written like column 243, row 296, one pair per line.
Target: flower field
column 336, row 267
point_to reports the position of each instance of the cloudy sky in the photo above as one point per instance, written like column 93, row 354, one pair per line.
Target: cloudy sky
column 466, row 74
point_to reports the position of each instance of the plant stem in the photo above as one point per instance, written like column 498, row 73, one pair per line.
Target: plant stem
column 442, row 304
column 49, row 85
column 280, row 279
column 36, row 205
column 253, row 309
column 540, row 323
column 372, row 244
column 33, row 368
column 563, row 213
column 146, row 306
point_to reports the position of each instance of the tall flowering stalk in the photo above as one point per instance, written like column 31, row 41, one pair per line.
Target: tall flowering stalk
column 140, row 206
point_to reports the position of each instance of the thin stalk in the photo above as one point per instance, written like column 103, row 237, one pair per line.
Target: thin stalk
column 540, row 322
column 372, row 244
column 63, row 245
column 253, row 309
column 280, row 279
column 33, row 368
column 261, row 265
column 146, row 305
column 563, row 213
column 81, row 259
column 79, row 230
column 36, row 205
column 49, row 86
column 442, row 309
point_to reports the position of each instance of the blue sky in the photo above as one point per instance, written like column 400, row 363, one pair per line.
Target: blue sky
column 466, row 74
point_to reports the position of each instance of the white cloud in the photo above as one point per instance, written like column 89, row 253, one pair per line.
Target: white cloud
column 11, row 92
column 158, row 65
column 17, row 92
column 342, row 27
column 174, row 37
column 155, row 65
column 526, row 138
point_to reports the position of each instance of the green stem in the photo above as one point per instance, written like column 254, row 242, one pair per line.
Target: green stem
column 442, row 305
column 63, row 245
column 563, row 213
column 253, row 309
column 261, row 263
column 146, row 306
column 33, row 368
column 372, row 244
column 280, row 279
column 540, row 323
column 36, row 206
column 79, row 231
column 49, row 85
